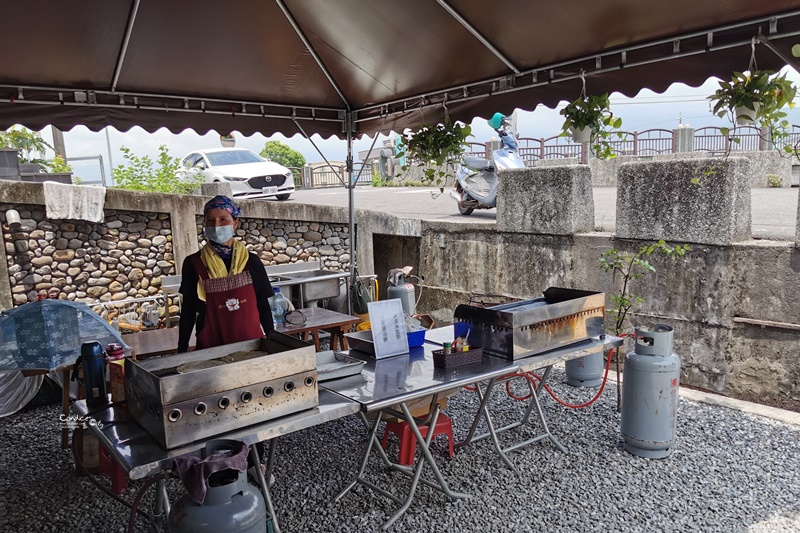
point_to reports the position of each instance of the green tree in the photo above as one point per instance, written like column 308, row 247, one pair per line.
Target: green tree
column 283, row 154
column 626, row 267
column 142, row 174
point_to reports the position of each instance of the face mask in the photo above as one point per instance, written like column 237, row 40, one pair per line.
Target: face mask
column 219, row 234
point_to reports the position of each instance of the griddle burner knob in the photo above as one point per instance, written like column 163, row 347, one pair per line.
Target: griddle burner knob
column 288, row 386
column 200, row 409
column 175, row 415
column 309, row 381
column 268, row 391
column 247, row 396
column 224, row 402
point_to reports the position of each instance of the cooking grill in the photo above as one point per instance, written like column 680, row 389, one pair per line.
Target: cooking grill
column 529, row 327
column 259, row 182
column 185, row 397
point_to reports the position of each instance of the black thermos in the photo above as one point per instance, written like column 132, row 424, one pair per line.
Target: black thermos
column 94, row 374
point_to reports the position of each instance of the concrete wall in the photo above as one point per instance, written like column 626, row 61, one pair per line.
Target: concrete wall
column 762, row 165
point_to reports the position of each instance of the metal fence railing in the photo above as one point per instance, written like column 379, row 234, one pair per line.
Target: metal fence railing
column 336, row 175
column 88, row 170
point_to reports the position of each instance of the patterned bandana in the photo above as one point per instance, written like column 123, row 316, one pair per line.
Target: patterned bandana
column 223, row 202
column 225, row 252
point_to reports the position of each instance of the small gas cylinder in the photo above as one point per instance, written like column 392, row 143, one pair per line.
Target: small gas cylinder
column 406, row 293
column 231, row 505
column 650, row 394
column 586, row 371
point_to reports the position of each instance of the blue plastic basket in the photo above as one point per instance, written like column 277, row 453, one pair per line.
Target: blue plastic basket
column 416, row 338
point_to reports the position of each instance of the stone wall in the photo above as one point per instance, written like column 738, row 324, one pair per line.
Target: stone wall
column 278, row 242
column 145, row 236
column 124, row 257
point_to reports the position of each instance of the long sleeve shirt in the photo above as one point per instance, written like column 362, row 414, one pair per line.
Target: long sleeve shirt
column 193, row 310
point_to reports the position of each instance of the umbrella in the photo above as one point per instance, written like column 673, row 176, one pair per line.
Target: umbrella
column 48, row 334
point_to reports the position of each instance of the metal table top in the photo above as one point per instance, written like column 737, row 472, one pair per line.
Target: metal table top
column 402, row 378
column 567, row 353
column 140, row 455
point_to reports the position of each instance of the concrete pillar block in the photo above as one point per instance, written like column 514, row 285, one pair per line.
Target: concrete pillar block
column 546, row 200
column 658, row 200
column 215, row 189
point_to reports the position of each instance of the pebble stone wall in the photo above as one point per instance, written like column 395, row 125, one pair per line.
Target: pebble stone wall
column 125, row 256
column 278, row 242
column 122, row 258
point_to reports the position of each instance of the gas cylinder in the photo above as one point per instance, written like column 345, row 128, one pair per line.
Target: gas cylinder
column 406, row 293
column 650, row 394
column 231, row 505
column 586, row 371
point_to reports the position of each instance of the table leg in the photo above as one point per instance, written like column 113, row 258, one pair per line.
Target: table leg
column 344, row 340
column 425, row 458
column 262, row 482
column 315, row 334
column 534, row 403
column 65, row 407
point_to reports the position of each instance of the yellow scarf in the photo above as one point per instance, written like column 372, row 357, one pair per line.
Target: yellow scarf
column 216, row 267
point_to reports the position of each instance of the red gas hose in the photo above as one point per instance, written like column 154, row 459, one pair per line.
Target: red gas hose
column 531, row 376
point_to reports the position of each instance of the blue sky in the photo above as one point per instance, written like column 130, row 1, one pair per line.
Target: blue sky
column 646, row 110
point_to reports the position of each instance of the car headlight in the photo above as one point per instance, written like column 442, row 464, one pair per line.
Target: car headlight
column 289, row 174
column 231, row 178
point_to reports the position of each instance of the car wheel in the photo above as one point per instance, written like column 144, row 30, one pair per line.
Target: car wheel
column 282, row 197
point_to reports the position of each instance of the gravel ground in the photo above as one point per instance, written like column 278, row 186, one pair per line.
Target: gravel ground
column 731, row 472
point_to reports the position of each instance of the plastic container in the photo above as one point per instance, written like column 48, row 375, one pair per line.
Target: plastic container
column 278, row 306
column 416, row 338
column 94, row 374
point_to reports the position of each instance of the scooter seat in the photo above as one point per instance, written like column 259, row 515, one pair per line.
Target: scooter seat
column 477, row 163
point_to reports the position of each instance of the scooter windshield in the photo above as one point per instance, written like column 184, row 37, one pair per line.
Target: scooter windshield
column 509, row 142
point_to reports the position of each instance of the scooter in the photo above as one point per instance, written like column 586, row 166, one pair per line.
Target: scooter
column 476, row 180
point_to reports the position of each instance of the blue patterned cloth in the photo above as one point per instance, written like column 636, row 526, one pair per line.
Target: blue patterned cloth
column 223, row 202
column 48, row 334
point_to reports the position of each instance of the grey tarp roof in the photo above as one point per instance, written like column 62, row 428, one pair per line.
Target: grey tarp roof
column 242, row 64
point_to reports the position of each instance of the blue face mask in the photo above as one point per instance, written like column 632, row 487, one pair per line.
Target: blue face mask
column 219, row 234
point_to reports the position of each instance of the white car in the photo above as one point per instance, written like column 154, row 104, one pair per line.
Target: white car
column 250, row 175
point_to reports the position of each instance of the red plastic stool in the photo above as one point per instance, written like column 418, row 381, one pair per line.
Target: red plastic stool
column 119, row 482
column 408, row 442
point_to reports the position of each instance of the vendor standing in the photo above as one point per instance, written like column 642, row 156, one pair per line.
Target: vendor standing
column 225, row 288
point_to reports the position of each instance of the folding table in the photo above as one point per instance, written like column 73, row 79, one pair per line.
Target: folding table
column 387, row 386
column 141, row 456
column 529, row 364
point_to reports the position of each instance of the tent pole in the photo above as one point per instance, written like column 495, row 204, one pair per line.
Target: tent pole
column 351, row 206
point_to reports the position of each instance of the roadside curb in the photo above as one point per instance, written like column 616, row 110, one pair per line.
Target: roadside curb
column 781, row 415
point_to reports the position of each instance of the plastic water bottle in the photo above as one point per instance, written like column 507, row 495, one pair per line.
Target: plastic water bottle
column 278, row 306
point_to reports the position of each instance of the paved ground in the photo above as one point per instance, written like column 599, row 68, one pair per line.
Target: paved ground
column 774, row 210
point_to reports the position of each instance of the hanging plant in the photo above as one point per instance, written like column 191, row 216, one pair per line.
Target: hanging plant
column 756, row 98
column 589, row 119
column 438, row 148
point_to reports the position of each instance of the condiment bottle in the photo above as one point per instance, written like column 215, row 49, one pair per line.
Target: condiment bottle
column 446, row 348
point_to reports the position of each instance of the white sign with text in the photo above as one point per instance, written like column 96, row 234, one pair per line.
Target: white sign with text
column 388, row 328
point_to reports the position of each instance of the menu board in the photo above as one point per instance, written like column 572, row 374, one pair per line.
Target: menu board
column 388, row 328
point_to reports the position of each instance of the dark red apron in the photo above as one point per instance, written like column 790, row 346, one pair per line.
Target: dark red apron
column 231, row 308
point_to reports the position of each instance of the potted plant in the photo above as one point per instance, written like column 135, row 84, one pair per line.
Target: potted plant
column 757, row 98
column 27, row 143
column 589, row 120
column 753, row 97
column 437, row 148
